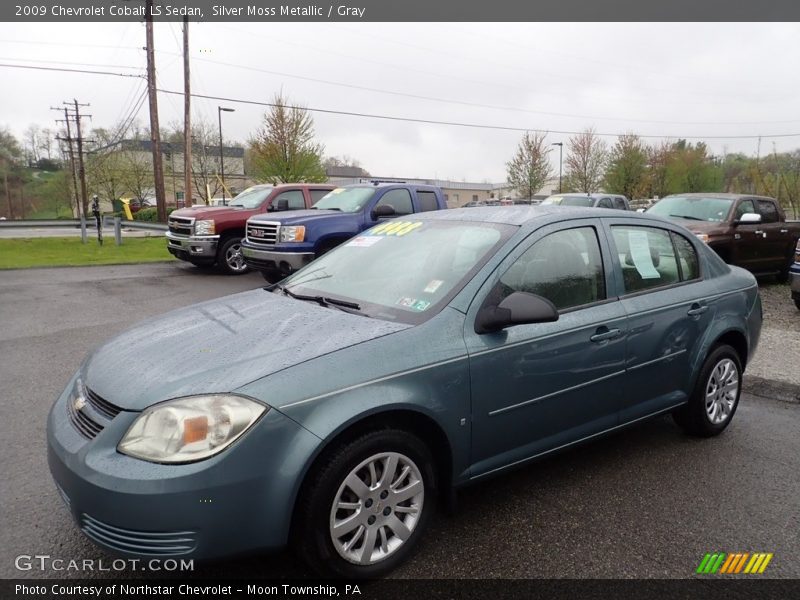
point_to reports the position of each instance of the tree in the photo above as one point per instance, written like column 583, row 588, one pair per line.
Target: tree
column 586, row 160
column 530, row 168
column 658, row 158
column 11, row 156
column 627, row 167
column 283, row 150
column 691, row 169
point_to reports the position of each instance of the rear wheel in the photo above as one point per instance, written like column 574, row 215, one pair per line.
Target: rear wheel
column 229, row 257
column 272, row 276
column 716, row 395
column 364, row 510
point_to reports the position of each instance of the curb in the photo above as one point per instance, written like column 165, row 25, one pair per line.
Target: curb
column 768, row 388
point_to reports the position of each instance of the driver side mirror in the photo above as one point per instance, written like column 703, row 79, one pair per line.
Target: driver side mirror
column 383, row 210
column 748, row 218
column 519, row 308
column 283, row 204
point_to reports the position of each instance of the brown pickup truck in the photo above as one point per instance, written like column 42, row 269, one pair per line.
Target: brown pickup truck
column 745, row 230
column 212, row 235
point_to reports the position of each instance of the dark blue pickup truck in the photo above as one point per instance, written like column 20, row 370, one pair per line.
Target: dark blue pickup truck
column 277, row 245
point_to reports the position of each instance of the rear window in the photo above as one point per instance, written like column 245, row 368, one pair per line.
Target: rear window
column 427, row 201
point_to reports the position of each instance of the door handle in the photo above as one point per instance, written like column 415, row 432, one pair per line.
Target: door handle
column 696, row 310
column 784, row 231
column 759, row 232
column 604, row 333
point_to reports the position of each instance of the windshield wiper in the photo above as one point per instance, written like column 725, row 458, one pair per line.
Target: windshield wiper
column 321, row 300
column 687, row 217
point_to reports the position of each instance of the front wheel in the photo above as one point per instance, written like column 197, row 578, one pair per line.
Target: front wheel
column 716, row 394
column 229, row 257
column 365, row 509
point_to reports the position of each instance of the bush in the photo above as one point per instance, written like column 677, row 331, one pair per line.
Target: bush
column 149, row 214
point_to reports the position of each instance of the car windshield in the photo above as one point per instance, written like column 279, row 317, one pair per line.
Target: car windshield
column 569, row 200
column 251, row 197
column 347, row 200
column 400, row 270
column 694, row 208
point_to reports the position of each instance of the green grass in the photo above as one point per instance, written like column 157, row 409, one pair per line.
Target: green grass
column 67, row 252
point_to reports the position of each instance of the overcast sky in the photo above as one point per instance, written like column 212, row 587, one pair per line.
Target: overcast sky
column 659, row 79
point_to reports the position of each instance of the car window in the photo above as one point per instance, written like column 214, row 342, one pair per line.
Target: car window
column 687, row 257
column 317, row 195
column 647, row 257
column 604, row 203
column 399, row 199
column 619, row 203
column 565, row 267
column 294, row 197
column 427, row 200
column 745, row 206
column 768, row 211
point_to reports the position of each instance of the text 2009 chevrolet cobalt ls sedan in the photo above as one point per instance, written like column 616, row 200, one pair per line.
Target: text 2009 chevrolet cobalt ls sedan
column 330, row 411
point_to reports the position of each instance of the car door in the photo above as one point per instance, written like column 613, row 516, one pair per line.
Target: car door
column 669, row 306
column 295, row 200
column 746, row 241
column 540, row 386
column 774, row 237
column 400, row 201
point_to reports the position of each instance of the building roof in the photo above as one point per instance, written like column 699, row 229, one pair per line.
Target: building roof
column 167, row 148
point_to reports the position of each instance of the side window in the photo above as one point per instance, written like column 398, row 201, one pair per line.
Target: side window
column 647, row 257
column 294, row 197
column 687, row 257
column 565, row 267
column 619, row 203
column 317, row 195
column 399, row 199
column 426, row 200
column 745, row 206
column 768, row 211
column 604, row 203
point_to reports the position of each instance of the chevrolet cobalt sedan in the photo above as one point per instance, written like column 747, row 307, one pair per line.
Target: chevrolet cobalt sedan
column 331, row 411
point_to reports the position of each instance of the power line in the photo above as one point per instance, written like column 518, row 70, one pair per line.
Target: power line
column 64, row 62
column 480, row 125
column 65, row 70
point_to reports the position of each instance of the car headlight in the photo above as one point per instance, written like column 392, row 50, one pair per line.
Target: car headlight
column 190, row 429
column 204, row 227
column 293, row 234
column 703, row 237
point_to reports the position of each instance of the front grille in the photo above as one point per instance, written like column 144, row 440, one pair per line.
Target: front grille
column 180, row 225
column 262, row 233
column 104, row 407
column 152, row 543
column 85, row 425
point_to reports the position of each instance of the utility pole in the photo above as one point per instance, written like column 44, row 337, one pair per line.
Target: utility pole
column 155, row 134
column 187, row 120
column 68, row 139
column 81, row 168
column 560, row 161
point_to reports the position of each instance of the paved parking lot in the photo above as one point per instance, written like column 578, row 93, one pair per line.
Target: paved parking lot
column 647, row 502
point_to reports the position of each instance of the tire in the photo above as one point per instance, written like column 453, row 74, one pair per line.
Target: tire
column 716, row 394
column 797, row 303
column 325, row 249
column 229, row 257
column 373, row 519
column 272, row 276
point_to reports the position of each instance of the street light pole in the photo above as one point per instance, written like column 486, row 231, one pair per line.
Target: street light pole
column 220, row 110
column 560, row 161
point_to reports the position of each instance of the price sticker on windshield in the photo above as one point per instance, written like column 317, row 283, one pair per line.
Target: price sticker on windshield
column 396, row 228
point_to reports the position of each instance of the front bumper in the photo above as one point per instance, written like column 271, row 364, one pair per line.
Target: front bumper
column 240, row 500
column 192, row 247
column 274, row 260
column 794, row 280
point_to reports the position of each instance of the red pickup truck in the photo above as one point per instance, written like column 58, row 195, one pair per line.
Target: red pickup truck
column 212, row 235
column 748, row 231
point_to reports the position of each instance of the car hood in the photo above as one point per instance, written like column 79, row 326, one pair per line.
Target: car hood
column 707, row 227
column 298, row 216
column 219, row 346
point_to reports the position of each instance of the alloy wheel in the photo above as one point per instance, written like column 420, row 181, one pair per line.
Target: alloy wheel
column 234, row 258
column 722, row 391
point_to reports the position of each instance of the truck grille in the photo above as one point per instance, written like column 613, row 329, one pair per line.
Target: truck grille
column 181, row 225
column 262, row 233
column 151, row 543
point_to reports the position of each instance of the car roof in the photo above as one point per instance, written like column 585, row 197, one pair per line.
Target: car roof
column 522, row 214
column 386, row 184
column 721, row 195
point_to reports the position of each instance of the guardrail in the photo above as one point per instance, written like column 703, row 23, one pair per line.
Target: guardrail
column 114, row 223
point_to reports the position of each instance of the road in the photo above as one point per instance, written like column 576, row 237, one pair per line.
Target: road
column 647, row 502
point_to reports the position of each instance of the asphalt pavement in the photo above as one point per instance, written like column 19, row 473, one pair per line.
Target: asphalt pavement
column 648, row 502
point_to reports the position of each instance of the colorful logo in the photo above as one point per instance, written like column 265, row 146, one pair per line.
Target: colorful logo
column 731, row 563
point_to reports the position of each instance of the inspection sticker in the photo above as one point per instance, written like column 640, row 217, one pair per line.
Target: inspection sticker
column 432, row 286
column 364, row 241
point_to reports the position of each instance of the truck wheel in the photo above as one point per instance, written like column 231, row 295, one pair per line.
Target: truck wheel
column 716, row 394
column 363, row 510
column 797, row 303
column 229, row 257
